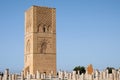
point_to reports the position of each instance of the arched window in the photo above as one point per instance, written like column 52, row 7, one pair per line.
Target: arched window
column 28, row 46
column 44, row 29
column 43, row 47
column 39, row 28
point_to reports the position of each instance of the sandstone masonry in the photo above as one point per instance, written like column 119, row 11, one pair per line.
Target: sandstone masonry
column 40, row 40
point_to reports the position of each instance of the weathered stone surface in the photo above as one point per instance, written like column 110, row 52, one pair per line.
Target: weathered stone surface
column 40, row 40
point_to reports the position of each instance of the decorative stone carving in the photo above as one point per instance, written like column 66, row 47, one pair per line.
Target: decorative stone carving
column 43, row 46
column 43, row 28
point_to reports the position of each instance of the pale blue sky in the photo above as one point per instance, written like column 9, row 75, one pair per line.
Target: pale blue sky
column 88, row 32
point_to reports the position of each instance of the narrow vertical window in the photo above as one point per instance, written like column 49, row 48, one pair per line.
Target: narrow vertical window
column 44, row 29
column 28, row 46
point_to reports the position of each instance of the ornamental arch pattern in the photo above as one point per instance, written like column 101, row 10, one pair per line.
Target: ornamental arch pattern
column 43, row 28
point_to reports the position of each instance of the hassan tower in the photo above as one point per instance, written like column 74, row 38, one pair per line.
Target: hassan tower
column 40, row 40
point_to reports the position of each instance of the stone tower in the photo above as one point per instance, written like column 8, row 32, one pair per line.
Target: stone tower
column 40, row 40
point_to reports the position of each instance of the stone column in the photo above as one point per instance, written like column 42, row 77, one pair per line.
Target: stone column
column 16, row 76
column 104, row 75
column 59, row 74
column 50, row 76
column 22, row 75
column 82, row 77
column 42, row 76
column 107, row 74
column 74, row 75
column 0, row 77
column 10, row 77
column 114, row 74
column 33, row 76
column 62, row 75
column 97, row 75
column 90, row 77
column 101, row 75
column 28, row 76
column 65, row 74
column 70, row 76
column 78, row 75
column 117, row 75
column 38, row 75
column 111, row 77
column 13, row 77
column 6, row 74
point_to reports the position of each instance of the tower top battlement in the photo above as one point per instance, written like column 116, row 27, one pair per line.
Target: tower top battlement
column 45, row 7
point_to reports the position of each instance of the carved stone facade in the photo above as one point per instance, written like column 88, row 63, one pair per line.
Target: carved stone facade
column 40, row 40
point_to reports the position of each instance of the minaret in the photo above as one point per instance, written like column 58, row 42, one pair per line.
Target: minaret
column 40, row 40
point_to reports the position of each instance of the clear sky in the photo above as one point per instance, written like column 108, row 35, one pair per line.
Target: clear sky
column 88, row 32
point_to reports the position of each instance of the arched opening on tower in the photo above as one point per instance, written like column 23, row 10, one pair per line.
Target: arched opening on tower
column 28, row 46
column 43, row 47
column 44, row 29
